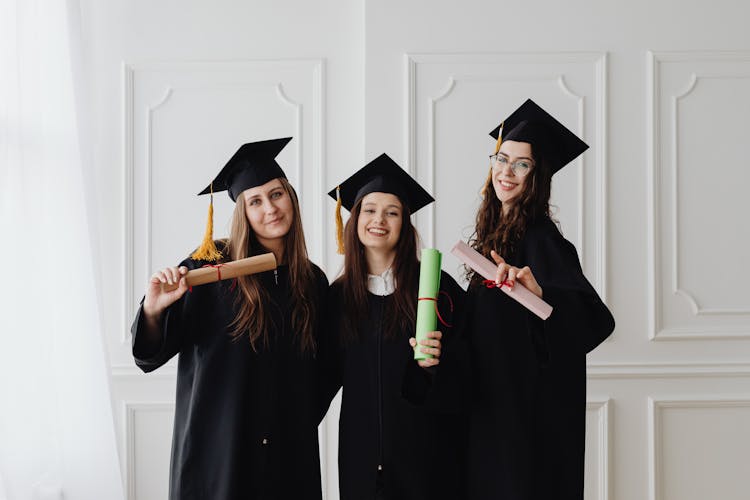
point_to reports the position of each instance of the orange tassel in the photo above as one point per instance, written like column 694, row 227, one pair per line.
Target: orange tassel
column 208, row 251
column 499, row 138
column 339, row 223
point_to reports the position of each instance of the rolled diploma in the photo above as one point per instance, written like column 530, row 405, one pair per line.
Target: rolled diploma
column 429, row 287
column 226, row 270
column 488, row 270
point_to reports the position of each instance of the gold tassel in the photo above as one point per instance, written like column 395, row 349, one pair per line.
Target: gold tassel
column 208, row 251
column 499, row 138
column 339, row 223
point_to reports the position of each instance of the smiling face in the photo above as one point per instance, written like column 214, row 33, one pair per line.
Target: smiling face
column 509, row 184
column 379, row 222
column 270, row 212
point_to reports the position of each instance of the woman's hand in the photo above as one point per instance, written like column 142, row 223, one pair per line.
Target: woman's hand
column 157, row 300
column 430, row 345
column 511, row 274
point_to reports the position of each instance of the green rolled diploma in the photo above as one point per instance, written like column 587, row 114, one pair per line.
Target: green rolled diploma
column 429, row 287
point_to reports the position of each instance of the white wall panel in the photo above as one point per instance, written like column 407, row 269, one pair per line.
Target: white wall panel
column 454, row 100
column 699, row 173
column 699, row 448
column 598, row 449
column 149, row 436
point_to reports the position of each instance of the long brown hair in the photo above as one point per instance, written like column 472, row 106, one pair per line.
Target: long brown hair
column 400, row 313
column 499, row 232
column 253, row 300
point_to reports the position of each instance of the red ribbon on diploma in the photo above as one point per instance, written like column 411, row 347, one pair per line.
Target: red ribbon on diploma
column 218, row 272
column 492, row 284
column 450, row 301
column 217, row 267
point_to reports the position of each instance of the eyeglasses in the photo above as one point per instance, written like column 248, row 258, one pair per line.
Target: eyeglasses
column 519, row 167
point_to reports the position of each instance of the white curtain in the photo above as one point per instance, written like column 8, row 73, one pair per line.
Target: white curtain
column 57, row 437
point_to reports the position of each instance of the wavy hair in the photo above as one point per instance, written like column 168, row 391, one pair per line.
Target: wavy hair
column 502, row 232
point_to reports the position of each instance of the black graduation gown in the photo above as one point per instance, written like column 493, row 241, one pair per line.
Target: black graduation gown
column 246, row 423
column 527, row 417
column 398, row 429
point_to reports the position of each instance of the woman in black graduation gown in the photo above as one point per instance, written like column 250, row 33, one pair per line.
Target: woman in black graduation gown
column 246, row 411
column 527, row 415
column 398, row 416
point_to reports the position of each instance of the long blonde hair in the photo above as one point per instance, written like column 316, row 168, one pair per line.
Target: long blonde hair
column 252, row 299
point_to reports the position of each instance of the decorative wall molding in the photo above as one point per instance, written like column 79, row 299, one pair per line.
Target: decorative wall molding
column 605, row 439
column 598, row 60
column 129, row 411
column 128, row 197
column 666, row 370
column 703, row 333
column 677, row 288
column 654, row 60
column 655, row 406
column 320, row 228
column 297, row 108
column 149, row 233
column 652, row 139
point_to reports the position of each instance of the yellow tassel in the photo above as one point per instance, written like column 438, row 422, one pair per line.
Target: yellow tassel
column 499, row 138
column 207, row 250
column 339, row 223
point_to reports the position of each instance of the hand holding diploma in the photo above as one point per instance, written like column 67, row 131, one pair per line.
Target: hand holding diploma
column 529, row 298
column 430, row 345
column 167, row 286
column 509, row 274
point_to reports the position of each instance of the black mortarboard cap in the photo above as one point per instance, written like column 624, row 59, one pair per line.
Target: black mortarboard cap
column 530, row 123
column 381, row 175
column 252, row 165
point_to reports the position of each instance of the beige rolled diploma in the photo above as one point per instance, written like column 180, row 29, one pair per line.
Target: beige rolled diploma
column 227, row 270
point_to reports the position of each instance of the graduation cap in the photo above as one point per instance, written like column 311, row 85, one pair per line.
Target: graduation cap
column 530, row 123
column 252, row 165
column 382, row 175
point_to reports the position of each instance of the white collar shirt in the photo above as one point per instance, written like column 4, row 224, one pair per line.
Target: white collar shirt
column 381, row 284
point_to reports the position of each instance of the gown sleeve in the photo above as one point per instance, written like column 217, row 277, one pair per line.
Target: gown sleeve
column 176, row 326
column 580, row 321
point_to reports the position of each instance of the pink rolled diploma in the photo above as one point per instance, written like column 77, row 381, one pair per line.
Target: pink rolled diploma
column 488, row 270
column 227, row 270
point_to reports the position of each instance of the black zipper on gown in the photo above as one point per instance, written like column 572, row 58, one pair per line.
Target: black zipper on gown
column 380, row 386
